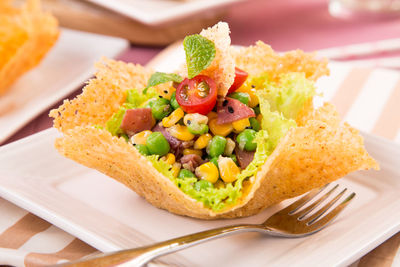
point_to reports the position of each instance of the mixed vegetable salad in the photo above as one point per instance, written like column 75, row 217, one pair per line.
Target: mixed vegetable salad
column 210, row 145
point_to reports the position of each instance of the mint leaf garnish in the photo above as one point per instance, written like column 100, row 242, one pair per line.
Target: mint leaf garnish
column 200, row 52
column 162, row 77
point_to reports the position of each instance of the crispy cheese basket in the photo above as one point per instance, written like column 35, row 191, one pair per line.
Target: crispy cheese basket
column 217, row 147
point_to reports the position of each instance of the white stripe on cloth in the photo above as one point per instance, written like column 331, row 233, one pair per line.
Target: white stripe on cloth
column 370, row 102
column 12, row 257
column 51, row 240
column 13, row 214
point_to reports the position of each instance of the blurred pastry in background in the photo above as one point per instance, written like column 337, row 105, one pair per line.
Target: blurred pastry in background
column 26, row 35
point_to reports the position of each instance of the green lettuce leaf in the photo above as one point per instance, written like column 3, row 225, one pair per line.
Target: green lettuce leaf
column 200, row 52
column 290, row 95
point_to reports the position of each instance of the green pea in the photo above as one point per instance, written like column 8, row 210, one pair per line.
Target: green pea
column 173, row 101
column 255, row 124
column 157, row 144
column 242, row 97
column 215, row 161
column 160, row 108
column 142, row 149
column 185, row 174
column 245, row 140
column 257, row 110
column 234, row 158
column 195, row 128
column 202, row 185
column 217, row 146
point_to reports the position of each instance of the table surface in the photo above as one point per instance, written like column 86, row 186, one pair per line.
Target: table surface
column 285, row 25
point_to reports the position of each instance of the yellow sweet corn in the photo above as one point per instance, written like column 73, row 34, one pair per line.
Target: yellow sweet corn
column 220, row 129
column 207, row 171
column 176, row 167
column 169, row 158
column 173, row 118
column 180, row 132
column 202, row 141
column 228, row 169
column 140, row 138
column 195, row 118
column 240, row 125
column 188, row 151
column 252, row 93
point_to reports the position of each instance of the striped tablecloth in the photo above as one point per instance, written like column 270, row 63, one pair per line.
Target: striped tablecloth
column 366, row 98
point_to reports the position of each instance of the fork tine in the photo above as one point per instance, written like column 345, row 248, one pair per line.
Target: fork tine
column 325, row 208
column 311, row 207
column 321, row 223
column 294, row 207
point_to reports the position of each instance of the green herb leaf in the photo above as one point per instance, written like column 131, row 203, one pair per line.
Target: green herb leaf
column 200, row 52
column 162, row 77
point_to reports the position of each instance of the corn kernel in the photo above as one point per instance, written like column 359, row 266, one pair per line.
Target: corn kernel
column 220, row 129
column 140, row 138
column 180, row 132
column 228, row 169
column 230, row 146
column 169, row 158
column 195, row 118
column 212, row 115
column 188, row 151
column 176, row 167
column 173, row 118
column 207, row 171
column 240, row 125
column 202, row 141
column 252, row 93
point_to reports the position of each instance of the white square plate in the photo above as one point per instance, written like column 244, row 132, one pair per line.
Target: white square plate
column 155, row 12
column 109, row 216
column 67, row 66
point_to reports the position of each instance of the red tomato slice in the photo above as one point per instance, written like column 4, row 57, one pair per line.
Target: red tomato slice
column 197, row 95
column 240, row 78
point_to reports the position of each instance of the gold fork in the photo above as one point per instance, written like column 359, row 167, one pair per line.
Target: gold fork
column 293, row 221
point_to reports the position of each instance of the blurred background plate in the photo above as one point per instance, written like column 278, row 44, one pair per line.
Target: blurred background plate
column 155, row 12
column 67, row 66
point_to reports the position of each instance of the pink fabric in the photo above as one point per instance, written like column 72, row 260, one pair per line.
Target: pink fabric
column 284, row 24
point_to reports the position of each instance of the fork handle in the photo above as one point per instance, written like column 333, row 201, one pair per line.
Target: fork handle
column 141, row 255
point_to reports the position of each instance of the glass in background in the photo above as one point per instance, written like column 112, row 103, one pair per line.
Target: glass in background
column 364, row 8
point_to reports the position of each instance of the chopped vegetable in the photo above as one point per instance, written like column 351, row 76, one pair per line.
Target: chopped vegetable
column 160, row 108
column 240, row 78
column 197, row 95
column 208, row 171
column 246, row 140
column 142, row 149
column 157, row 144
column 217, row 146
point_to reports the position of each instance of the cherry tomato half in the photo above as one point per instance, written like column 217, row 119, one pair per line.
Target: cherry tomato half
column 240, row 78
column 197, row 95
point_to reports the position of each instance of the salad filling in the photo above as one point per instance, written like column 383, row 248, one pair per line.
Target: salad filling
column 209, row 144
